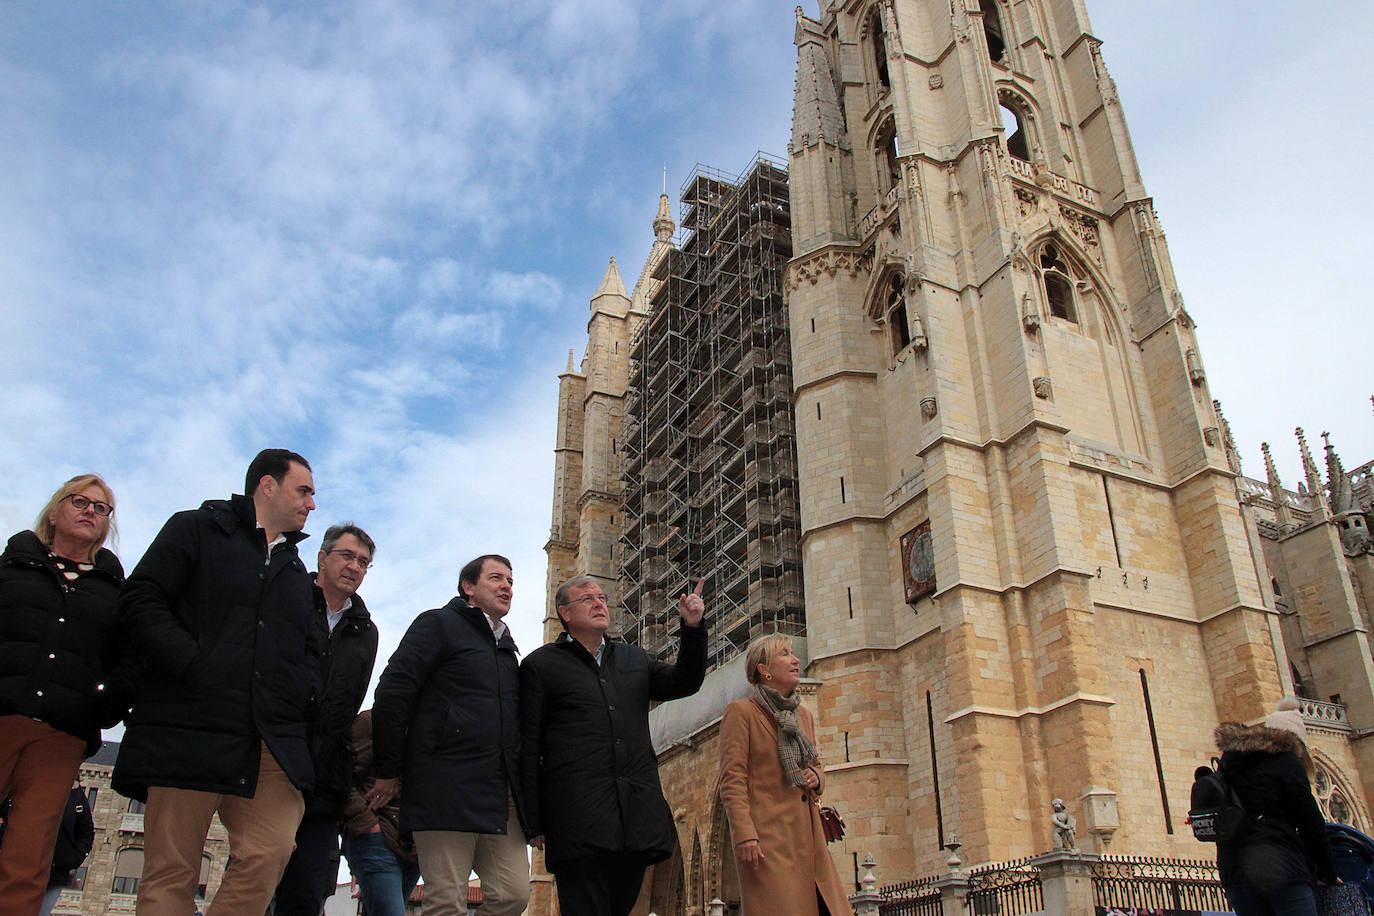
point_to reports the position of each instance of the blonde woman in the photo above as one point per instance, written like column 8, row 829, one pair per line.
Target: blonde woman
column 770, row 776
column 61, row 676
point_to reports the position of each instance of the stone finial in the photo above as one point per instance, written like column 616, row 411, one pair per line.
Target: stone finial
column 570, row 360
column 1342, row 496
column 1314, row 480
column 664, row 227
column 1276, row 491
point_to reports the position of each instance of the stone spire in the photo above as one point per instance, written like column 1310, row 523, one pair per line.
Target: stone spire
column 611, row 284
column 816, row 112
column 1314, row 479
column 1276, row 492
column 1342, row 496
column 664, row 227
column 570, row 361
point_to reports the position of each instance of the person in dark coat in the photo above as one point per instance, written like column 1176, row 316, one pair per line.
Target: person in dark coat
column 380, row 855
column 350, row 641
column 64, row 672
column 593, row 798
column 445, row 715
column 75, row 838
column 221, row 610
column 1285, row 851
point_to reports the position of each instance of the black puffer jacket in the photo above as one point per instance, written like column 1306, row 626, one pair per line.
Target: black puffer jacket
column 589, row 769
column 1288, row 845
column 445, row 719
column 345, row 671
column 62, row 658
column 232, row 653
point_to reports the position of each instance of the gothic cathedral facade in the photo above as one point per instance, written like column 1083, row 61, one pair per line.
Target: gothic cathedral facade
column 1029, row 570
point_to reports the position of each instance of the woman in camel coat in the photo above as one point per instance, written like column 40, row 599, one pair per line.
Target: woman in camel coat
column 769, row 776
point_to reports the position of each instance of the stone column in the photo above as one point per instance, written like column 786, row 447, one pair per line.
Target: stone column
column 1066, row 881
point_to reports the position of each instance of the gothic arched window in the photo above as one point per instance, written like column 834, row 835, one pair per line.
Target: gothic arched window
column 898, row 326
column 992, row 30
column 879, row 44
column 1014, row 130
column 1058, row 283
column 889, row 167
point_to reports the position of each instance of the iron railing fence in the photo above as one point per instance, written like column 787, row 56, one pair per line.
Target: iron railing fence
column 911, row 898
column 1169, row 884
column 1007, row 889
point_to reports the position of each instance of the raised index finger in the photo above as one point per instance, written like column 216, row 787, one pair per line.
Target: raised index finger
column 700, row 582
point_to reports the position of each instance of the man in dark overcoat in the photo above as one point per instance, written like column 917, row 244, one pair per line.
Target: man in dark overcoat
column 350, row 649
column 220, row 610
column 445, row 717
column 593, row 799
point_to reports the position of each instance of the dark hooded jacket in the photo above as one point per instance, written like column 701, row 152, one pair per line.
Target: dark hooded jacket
column 62, row 658
column 345, row 671
column 1286, row 843
column 231, row 646
column 589, row 768
column 445, row 719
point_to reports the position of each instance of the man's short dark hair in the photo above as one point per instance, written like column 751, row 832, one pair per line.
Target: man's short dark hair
column 332, row 535
column 271, row 462
column 473, row 569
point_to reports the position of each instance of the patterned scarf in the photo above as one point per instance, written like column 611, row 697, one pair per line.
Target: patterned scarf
column 795, row 750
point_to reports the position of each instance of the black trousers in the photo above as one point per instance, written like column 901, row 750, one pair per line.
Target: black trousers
column 599, row 885
column 313, row 872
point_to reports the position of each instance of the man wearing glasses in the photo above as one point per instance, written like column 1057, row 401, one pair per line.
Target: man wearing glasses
column 446, row 712
column 220, row 611
column 592, row 796
column 345, row 671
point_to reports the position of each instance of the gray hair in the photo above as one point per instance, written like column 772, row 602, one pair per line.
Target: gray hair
column 331, row 537
column 560, row 597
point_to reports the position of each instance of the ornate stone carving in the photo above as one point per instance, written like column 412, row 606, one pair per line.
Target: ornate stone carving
column 825, row 263
column 1026, row 203
column 936, row 81
column 1195, row 372
column 928, row 408
column 1085, row 229
column 1212, row 436
column 918, row 334
column 1044, row 389
column 1030, row 316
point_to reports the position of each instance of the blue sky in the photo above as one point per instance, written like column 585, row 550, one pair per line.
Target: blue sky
column 368, row 231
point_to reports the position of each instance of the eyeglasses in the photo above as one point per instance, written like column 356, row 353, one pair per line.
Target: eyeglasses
column 79, row 503
column 351, row 557
column 589, row 600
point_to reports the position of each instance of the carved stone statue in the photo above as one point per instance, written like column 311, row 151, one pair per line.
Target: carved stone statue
column 1065, row 827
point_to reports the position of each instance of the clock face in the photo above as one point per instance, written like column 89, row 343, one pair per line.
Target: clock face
column 921, row 566
column 918, row 556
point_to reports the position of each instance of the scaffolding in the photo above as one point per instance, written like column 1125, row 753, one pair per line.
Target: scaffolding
column 709, row 471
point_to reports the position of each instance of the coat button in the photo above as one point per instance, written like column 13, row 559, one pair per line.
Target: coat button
column 51, row 655
column 40, row 693
column 257, row 675
column 61, row 620
column 608, row 708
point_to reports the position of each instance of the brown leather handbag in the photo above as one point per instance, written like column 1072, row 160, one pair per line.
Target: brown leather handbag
column 831, row 822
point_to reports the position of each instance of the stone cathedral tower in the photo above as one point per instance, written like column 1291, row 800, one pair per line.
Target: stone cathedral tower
column 1026, row 569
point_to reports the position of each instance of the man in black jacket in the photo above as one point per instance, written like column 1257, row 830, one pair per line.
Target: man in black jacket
column 446, row 714
column 592, row 795
column 220, row 610
column 345, row 671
